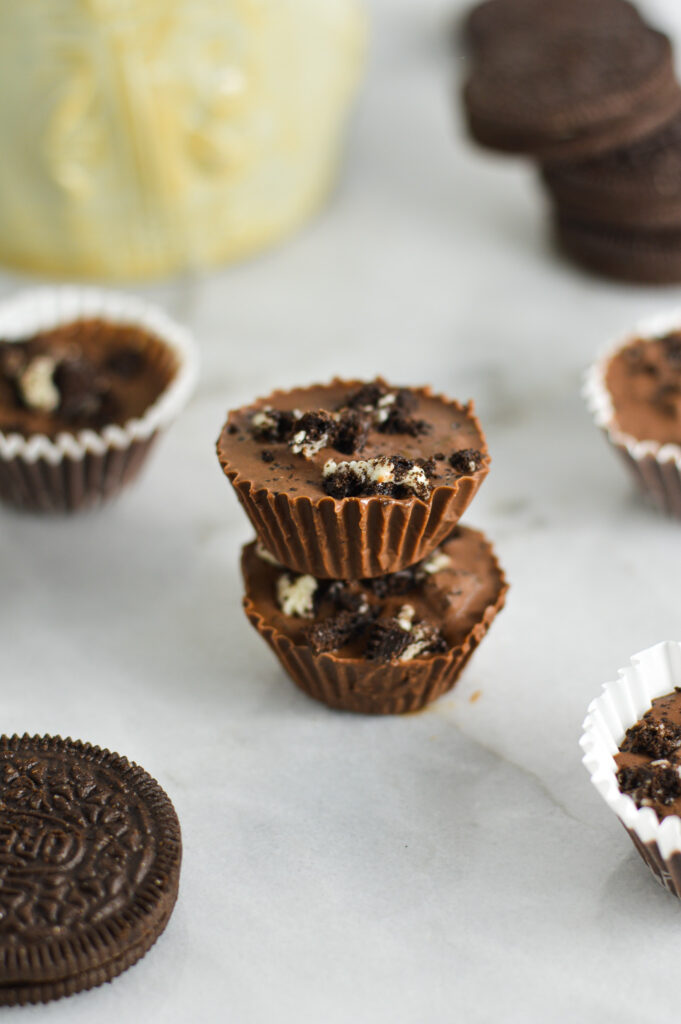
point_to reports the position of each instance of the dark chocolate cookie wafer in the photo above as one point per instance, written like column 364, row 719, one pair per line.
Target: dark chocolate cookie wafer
column 643, row 256
column 638, row 186
column 571, row 93
column 89, row 866
column 491, row 21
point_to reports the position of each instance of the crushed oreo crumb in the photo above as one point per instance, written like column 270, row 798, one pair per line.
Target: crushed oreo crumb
column 657, row 782
column 656, row 739
column 270, row 424
column 391, row 411
column 391, row 475
column 340, row 629
column 266, row 455
column 366, row 397
column 466, row 460
column 84, row 398
column 311, row 432
column 352, row 430
column 387, row 641
column 399, row 419
column 347, row 428
column 66, row 383
column 428, row 466
column 402, row 639
column 126, row 362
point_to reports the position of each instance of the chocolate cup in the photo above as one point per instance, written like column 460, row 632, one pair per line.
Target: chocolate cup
column 83, row 469
column 368, row 687
column 354, row 538
column 72, row 484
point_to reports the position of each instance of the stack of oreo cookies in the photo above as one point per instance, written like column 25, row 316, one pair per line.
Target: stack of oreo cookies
column 588, row 89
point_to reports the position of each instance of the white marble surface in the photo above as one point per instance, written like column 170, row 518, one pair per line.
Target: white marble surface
column 448, row 866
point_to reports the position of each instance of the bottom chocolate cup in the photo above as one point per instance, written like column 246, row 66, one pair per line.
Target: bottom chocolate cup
column 468, row 593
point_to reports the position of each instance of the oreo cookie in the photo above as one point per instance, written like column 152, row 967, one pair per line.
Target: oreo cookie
column 571, row 91
column 89, row 868
column 629, row 254
column 491, row 21
column 638, row 186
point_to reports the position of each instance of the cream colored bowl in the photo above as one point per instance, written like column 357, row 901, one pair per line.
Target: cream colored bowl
column 142, row 137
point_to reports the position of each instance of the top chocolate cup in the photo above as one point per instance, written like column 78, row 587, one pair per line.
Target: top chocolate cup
column 368, row 489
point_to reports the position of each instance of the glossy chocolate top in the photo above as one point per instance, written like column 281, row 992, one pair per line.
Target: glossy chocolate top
column 447, row 595
column 644, row 381
column 84, row 375
column 359, row 439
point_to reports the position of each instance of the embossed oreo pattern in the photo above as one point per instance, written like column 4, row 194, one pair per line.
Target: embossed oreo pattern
column 90, row 852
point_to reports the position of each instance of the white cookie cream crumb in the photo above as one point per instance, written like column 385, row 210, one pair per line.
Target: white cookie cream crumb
column 300, row 446
column 405, row 617
column 382, row 410
column 436, row 562
column 263, row 421
column 415, row 480
column 379, row 470
column 37, row 387
column 262, row 553
column 295, row 595
column 421, row 638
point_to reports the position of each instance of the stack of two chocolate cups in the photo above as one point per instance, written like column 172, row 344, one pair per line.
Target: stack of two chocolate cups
column 360, row 579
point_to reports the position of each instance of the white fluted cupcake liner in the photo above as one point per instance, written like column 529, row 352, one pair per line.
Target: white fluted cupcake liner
column 652, row 673
column 655, row 467
column 83, row 468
